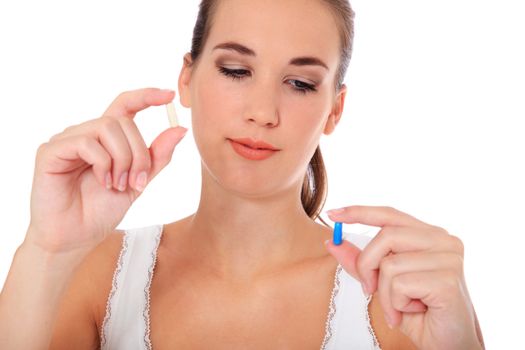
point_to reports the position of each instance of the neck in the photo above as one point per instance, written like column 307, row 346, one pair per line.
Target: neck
column 240, row 237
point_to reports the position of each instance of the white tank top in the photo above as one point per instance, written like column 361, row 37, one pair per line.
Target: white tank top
column 126, row 323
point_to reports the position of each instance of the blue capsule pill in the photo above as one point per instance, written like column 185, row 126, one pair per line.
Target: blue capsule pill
column 338, row 233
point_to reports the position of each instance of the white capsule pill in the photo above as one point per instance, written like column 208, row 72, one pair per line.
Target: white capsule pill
column 172, row 115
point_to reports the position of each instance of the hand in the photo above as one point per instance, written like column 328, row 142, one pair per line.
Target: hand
column 71, row 207
column 417, row 271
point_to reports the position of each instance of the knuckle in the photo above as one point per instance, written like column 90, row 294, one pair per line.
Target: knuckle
column 61, row 134
column 108, row 124
column 141, row 162
column 386, row 231
column 398, row 283
column 123, row 161
column 68, row 129
column 361, row 266
column 54, row 137
column 389, row 208
column 124, row 121
column 41, row 149
column 123, row 95
column 451, row 281
column 458, row 263
column 388, row 264
column 439, row 229
column 457, row 244
column 84, row 142
column 106, row 160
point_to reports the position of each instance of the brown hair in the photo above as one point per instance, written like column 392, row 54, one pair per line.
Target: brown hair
column 315, row 187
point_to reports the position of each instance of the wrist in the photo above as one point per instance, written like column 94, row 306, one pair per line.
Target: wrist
column 47, row 260
column 32, row 294
column 51, row 253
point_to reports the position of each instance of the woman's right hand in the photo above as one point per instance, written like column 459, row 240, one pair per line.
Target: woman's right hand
column 71, row 207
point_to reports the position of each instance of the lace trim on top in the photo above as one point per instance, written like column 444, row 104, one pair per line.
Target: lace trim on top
column 146, row 314
column 332, row 309
column 370, row 329
column 151, row 270
column 103, row 329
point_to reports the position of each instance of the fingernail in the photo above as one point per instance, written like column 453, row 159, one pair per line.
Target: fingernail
column 335, row 211
column 109, row 182
column 326, row 242
column 142, row 178
column 123, row 181
column 167, row 90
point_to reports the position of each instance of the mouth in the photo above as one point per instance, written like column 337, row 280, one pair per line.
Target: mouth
column 255, row 144
column 253, row 149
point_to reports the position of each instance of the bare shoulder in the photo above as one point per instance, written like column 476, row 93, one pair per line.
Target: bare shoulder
column 388, row 338
column 99, row 267
column 83, row 305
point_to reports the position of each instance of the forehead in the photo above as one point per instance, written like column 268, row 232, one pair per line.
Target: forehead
column 278, row 28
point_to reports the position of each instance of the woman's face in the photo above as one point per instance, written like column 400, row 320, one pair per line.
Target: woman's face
column 261, row 95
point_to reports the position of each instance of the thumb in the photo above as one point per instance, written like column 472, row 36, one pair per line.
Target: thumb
column 161, row 149
column 346, row 254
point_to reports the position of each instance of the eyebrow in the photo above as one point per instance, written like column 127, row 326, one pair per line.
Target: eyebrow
column 296, row 61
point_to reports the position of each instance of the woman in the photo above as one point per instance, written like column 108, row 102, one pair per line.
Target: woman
column 250, row 268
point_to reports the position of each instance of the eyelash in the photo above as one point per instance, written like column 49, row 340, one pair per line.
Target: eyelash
column 234, row 74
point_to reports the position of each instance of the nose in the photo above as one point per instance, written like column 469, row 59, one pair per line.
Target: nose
column 262, row 104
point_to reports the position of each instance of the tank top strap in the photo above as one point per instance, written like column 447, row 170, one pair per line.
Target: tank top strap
column 127, row 321
column 348, row 325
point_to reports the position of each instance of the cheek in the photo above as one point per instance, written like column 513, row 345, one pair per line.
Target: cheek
column 305, row 117
column 304, row 123
column 212, row 109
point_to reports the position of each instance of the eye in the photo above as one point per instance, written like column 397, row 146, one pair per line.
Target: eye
column 302, row 87
column 233, row 73
column 298, row 86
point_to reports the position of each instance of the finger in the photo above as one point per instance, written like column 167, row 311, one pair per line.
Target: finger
column 397, row 264
column 141, row 160
column 128, row 103
column 68, row 154
column 374, row 216
column 161, row 149
column 114, row 140
column 346, row 254
column 88, row 128
column 439, row 290
column 398, row 239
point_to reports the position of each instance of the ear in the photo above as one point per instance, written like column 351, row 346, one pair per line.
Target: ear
column 184, row 81
column 337, row 111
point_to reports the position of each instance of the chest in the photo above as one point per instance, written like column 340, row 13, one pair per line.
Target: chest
column 287, row 312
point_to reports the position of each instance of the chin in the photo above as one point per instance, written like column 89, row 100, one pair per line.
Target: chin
column 250, row 179
column 244, row 183
column 247, row 184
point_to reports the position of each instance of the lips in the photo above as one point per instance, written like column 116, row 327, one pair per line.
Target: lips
column 253, row 149
column 255, row 144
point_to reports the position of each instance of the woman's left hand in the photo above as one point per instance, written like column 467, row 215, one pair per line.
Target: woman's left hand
column 417, row 271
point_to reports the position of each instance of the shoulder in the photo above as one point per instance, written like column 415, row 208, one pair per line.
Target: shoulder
column 83, row 304
column 94, row 275
column 99, row 267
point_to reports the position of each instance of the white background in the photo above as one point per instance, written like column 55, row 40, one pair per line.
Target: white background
column 433, row 122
